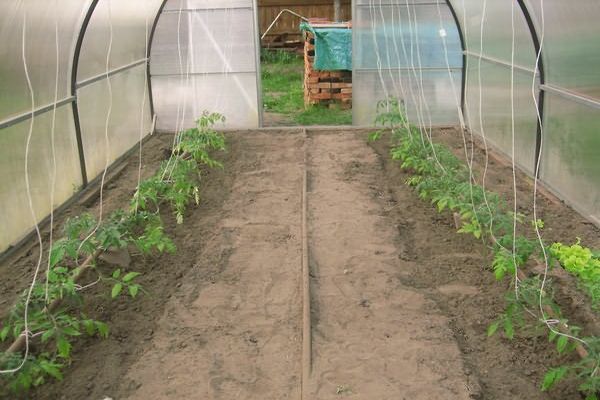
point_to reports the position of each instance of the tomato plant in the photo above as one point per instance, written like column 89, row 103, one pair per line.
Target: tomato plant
column 55, row 310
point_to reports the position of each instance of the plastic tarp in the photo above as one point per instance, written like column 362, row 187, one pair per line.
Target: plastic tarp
column 333, row 47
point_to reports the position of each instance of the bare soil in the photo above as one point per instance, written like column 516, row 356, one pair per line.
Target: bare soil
column 400, row 301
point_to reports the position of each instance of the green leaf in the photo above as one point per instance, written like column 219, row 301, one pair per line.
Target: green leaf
column 4, row 333
column 102, row 329
column 133, row 290
column 89, row 326
column 52, row 369
column 591, row 397
column 553, row 376
column 47, row 335
column 493, row 328
column 116, row 290
column 57, row 255
column 116, row 274
column 561, row 343
column 71, row 331
column 130, row 276
column 509, row 329
column 64, row 347
column 499, row 273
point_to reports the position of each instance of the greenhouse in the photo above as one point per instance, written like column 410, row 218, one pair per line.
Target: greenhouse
column 284, row 199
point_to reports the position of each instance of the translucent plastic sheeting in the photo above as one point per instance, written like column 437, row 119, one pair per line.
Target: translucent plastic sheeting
column 571, row 43
column 206, row 4
column 436, row 86
column 236, row 97
column 570, row 162
column 15, row 219
column 41, row 19
column 203, row 50
column 496, row 109
column 128, row 20
column 497, row 32
column 124, row 124
column 211, row 67
column 400, row 43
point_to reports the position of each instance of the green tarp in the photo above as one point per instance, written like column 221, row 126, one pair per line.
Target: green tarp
column 333, row 47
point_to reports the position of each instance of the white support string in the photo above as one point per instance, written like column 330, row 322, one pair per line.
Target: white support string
column 106, row 126
column 53, row 149
column 400, row 65
column 409, row 77
column 142, row 115
column 423, row 107
column 550, row 323
column 461, row 116
column 512, row 120
column 36, row 272
column 387, row 47
column 481, row 125
column 377, row 55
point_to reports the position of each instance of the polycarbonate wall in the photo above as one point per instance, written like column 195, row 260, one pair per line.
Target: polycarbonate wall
column 111, row 80
column 569, row 139
column 48, row 32
column 399, row 52
column 489, row 62
column 41, row 18
column 570, row 163
column 205, row 57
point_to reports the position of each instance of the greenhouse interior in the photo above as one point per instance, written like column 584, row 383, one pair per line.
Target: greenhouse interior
column 284, row 199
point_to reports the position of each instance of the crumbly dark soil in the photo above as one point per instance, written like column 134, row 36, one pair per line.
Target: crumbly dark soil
column 454, row 270
column 99, row 364
column 223, row 315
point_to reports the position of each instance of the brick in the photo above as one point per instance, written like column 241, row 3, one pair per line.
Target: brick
column 324, row 85
column 341, row 85
column 347, row 90
column 322, row 96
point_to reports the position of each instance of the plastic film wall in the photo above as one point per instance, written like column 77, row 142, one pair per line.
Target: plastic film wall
column 30, row 29
column 112, row 91
column 205, row 57
column 52, row 131
column 410, row 50
column 570, row 159
column 566, row 87
column 488, row 77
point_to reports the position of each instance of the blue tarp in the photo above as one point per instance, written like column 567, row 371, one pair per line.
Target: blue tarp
column 333, row 47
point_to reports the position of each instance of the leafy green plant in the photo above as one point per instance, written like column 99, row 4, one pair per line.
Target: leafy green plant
column 55, row 316
column 177, row 180
column 583, row 263
column 438, row 176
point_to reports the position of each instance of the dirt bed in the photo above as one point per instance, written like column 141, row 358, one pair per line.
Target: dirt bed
column 400, row 301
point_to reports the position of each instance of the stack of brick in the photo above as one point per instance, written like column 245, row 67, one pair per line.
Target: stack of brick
column 324, row 87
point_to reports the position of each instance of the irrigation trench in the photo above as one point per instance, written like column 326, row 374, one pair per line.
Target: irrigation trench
column 307, row 300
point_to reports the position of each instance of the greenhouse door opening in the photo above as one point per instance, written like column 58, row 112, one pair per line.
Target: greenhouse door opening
column 306, row 62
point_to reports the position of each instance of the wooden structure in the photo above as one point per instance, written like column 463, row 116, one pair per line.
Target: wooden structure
column 285, row 33
column 324, row 87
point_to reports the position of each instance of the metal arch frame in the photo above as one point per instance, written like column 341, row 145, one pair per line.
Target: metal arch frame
column 74, row 70
column 523, row 5
column 258, row 63
column 541, row 93
column 461, row 36
column 149, row 51
column 74, row 84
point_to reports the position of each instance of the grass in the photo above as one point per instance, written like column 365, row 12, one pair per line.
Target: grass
column 282, row 80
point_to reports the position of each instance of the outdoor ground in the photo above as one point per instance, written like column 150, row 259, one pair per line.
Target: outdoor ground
column 283, row 96
column 400, row 302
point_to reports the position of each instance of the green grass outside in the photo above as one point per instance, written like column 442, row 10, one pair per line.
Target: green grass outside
column 282, row 79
